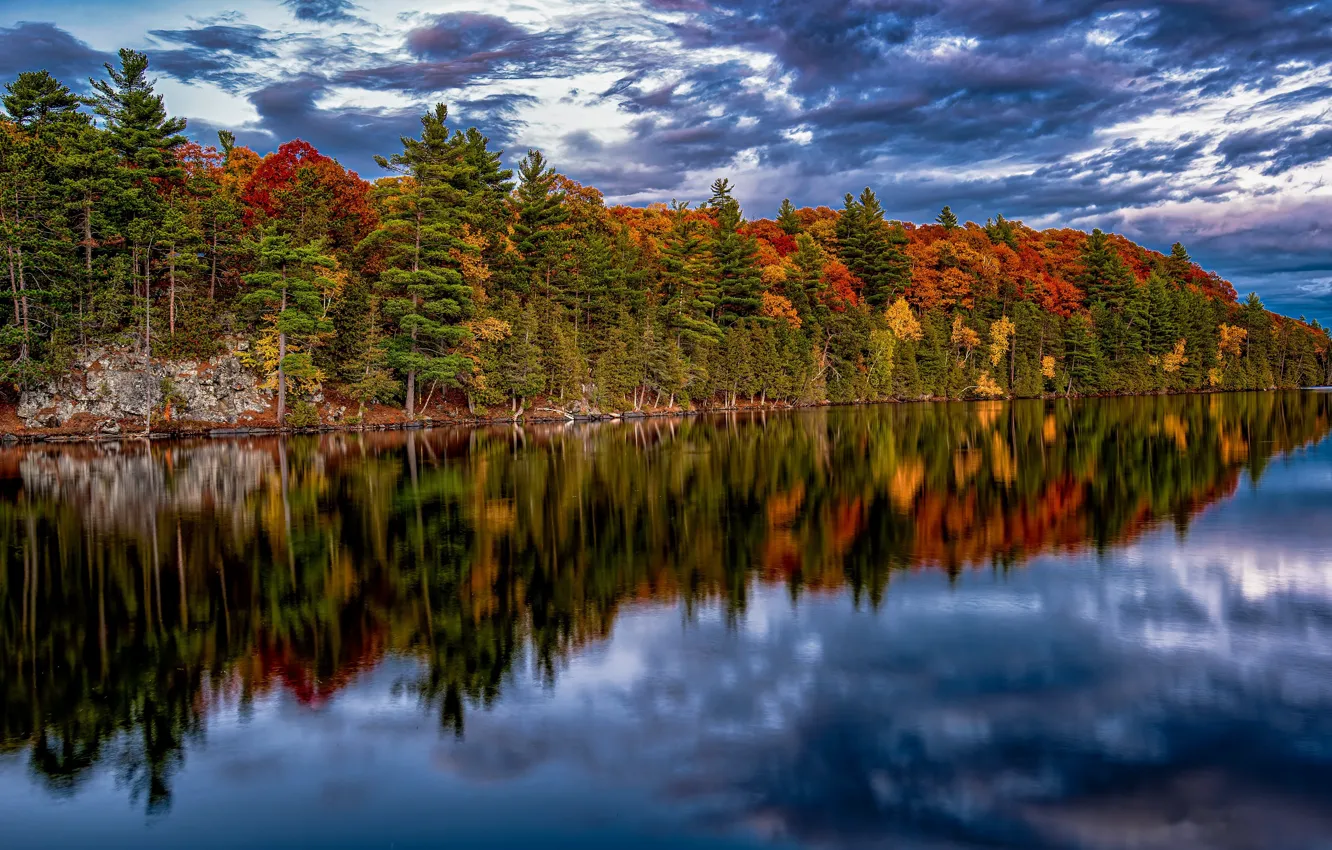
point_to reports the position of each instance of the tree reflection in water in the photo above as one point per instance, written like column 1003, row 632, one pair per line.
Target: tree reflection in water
column 141, row 586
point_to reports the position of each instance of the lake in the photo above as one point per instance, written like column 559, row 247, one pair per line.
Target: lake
column 1065, row 624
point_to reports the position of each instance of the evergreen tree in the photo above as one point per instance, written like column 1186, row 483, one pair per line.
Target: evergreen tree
column 538, row 210
column 1178, row 264
column 1001, row 232
column 871, row 250
column 1086, row 368
column 947, row 219
column 738, row 278
column 36, row 99
column 1162, row 315
column 520, row 366
column 369, row 378
column 1104, row 276
column 804, row 282
column 287, row 291
column 689, row 280
column 422, row 289
column 787, row 219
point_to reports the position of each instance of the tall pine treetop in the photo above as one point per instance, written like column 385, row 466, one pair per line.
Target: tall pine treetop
column 37, row 98
column 787, row 219
column 136, row 117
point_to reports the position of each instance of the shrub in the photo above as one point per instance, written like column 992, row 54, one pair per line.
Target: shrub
column 303, row 414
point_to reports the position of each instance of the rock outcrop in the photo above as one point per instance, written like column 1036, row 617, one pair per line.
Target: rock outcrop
column 113, row 386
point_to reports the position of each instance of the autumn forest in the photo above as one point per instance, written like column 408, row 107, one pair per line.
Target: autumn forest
column 451, row 280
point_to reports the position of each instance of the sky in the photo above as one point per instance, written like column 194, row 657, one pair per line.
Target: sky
column 1203, row 121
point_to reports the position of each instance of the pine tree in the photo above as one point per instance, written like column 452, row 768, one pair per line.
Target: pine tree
column 1082, row 348
column 689, row 280
column 947, row 219
column 370, row 380
column 135, row 116
column 36, row 99
column 1178, row 264
column 539, row 212
column 520, row 366
column 1104, row 276
column 804, row 281
column 787, row 219
column 1001, row 231
column 290, row 280
column 738, row 277
column 872, row 250
column 422, row 288
column 1162, row 315
column 565, row 366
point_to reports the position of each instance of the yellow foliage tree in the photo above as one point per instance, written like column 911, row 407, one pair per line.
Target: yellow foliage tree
column 1001, row 333
column 780, row 307
column 986, row 386
column 1171, row 361
column 773, row 275
column 902, row 322
column 1232, row 340
column 1048, row 367
column 964, row 338
column 475, row 272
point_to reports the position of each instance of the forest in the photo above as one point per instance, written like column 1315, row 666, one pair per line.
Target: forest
column 451, row 280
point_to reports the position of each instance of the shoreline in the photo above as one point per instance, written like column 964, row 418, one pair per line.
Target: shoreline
column 189, row 429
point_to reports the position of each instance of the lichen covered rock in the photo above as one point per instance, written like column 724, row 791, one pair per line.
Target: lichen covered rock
column 112, row 386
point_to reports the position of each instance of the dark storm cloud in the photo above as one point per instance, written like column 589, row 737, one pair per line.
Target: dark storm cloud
column 454, row 50
column 214, row 53
column 289, row 110
column 495, row 115
column 454, row 36
column 242, row 40
column 322, row 11
column 1243, row 40
column 1277, row 151
column 821, row 43
column 29, row 46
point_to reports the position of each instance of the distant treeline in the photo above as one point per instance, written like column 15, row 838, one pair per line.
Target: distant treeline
column 452, row 278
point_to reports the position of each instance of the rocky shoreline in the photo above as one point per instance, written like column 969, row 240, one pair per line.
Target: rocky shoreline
column 109, row 396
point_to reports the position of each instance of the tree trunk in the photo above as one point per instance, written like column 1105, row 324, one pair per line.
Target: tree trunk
column 87, row 236
column 171, row 292
column 1012, row 365
column 416, row 267
column 282, row 355
column 212, row 276
column 23, row 305
column 13, row 270
column 13, row 281
column 148, row 357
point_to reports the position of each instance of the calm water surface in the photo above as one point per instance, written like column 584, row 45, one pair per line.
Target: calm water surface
column 1042, row 625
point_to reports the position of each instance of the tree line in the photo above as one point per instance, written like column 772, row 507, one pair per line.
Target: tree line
column 453, row 280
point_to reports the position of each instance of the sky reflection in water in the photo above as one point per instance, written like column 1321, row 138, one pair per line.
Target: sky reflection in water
column 1171, row 691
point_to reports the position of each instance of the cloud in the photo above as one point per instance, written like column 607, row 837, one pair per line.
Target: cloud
column 460, row 34
column 239, row 40
column 456, row 50
column 322, row 11
column 290, row 109
column 29, row 46
column 216, row 53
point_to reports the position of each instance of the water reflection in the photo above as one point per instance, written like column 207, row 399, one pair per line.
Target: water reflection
column 859, row 662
